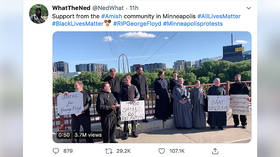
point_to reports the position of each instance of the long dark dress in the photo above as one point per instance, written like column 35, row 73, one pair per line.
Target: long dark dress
column 218, row 119
column 172, row 83
column 104, row 103
column 162, row 109
column 140, row 81
column 182, row 112
column 198, row 114
column 115, row 84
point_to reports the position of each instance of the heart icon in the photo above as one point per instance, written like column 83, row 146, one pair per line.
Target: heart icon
column 161, row 150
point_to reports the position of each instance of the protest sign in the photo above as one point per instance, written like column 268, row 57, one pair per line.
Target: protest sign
column 240, row 104
column 218, row 103
column 132, row 110
column 72, row 103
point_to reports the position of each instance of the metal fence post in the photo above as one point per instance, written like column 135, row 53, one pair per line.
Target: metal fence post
column 62, row 125
column 227, row 87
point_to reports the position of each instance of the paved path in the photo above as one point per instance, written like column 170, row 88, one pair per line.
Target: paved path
column 173, row 135
column 228, row 135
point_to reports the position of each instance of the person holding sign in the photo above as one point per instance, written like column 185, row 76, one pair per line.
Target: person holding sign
column 182, row 107
column 140, row 81
column 106, row 105
column 162, row 109
column 217, row 118
column 239, row 88
column 81, row 119
column 129, row 92
column 197, row 101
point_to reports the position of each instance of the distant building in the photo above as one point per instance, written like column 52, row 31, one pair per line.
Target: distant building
column 61, row 66
column 217, row 58
column 233, row 53
column 99, row 68
column 82, row 67
column 154, row 66
column 179, row 65
column 190, row 63
column 57, row 74
column 92, row 67
column 198, row 63
column 134, row 67
column 68, row 75
column 247, row 55
column 71, row 74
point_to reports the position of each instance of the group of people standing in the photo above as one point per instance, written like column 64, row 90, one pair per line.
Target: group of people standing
column 190, row 106
column 115, row 90
column 219, row 119
column 187, row 107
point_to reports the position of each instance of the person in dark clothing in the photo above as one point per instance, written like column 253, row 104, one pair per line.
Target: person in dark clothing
column 162, row 109
column 37, row 17
column 115, row 83
column 218, row 119
column 140, row 81
column 81, row 119
column 106, row 105
column 239, row 88
column 129, row 92
column 172, row 83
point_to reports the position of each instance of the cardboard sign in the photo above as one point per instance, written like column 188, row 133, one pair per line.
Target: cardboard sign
column 132, row 110
column 72, row 103
column 240, row 104
column 218, row 103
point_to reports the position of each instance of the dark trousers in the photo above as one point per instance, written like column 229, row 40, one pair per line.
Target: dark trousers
column 243, row 119
column 78, row 121
column 217, row 119
column 108, row 124
column 133, row 127
column 118, row 115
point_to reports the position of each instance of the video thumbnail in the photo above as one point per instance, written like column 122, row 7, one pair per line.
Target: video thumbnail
column 152, row 87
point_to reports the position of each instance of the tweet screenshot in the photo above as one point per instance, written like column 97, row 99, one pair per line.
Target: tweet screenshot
column 106, row 78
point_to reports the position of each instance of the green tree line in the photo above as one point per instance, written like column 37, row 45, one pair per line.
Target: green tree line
column 206, row 74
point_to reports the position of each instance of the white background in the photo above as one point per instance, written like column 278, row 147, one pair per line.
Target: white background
column 37, row 70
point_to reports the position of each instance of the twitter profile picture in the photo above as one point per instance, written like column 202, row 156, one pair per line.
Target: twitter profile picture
column 38, row 13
